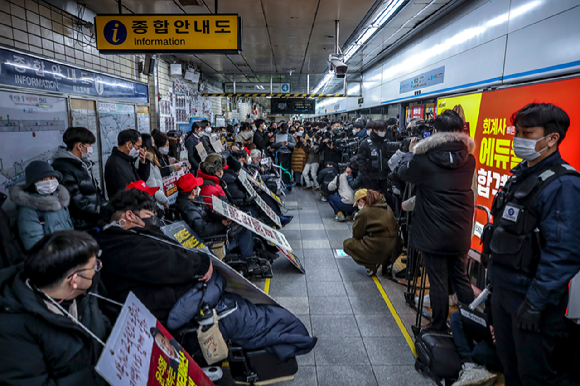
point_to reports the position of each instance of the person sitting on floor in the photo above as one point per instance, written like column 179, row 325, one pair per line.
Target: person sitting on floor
column 51, row 331
column 374, row 232
column 138, row 257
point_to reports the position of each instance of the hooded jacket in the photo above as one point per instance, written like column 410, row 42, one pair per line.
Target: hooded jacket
column 237, row 192
column 41, row 347
column 325, row 176
column 157, row 272
column 442, row 169
column 86, row 198
column 120, row 171
column 211, row 187
column 345, row 191
column 261, row 139
column 198, row 216
column 35, row 209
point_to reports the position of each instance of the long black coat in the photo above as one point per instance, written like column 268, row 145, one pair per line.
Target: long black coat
column 157, row 273
column 442, row 170
column 261, row 139
column 199, row 217
column 86, row 198
column 120, row 171
column 41, row 348
column 235, row 188
column 193, row 157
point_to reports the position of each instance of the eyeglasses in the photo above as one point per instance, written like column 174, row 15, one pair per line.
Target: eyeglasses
column 98, row 266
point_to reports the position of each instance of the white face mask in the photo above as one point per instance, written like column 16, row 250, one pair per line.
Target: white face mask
column 208, row 129
column 382, row 134
column 354, row 131
column 86, row 156
column 254, row 128
column 360, row 207
column 164, row 150
column 46, row 187
column 526, row 148
column 300, row 132
column 133, row 153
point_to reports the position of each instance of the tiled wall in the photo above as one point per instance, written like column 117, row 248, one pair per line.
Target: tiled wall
column 39, row 27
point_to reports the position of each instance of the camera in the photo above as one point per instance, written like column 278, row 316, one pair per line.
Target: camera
column 337, row 65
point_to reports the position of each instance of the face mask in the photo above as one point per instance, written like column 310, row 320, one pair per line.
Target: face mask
column 254, row 128
column 46, row 187
column 150, row 222
column 354, row 132
column 133, row 153
column 164, row 150
column 360, row 207
column 300, row 132
column 86, row 156
column 526, row 148
column 208, row 129
column 382, row 134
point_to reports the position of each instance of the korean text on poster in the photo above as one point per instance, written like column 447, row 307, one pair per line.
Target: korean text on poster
column 265, row 208
column 140, row 352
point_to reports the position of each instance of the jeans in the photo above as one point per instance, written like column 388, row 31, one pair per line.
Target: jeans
column 484, row 351
column 310, row 170
column 339, row 206
column 443, row 269
column 526, row 356
column 244, row 239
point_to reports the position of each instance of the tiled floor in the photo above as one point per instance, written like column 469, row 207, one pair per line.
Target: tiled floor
column 359, row 342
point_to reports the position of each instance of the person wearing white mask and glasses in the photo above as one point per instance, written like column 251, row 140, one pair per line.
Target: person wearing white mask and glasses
column 74, row 162
column 42, row 203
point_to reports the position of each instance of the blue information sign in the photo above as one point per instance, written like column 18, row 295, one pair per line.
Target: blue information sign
column 426, row 79
column 21, row 70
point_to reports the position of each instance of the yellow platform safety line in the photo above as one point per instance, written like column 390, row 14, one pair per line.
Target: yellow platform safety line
column 396, row 316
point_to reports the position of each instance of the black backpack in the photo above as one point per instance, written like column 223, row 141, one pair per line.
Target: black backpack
column 437, row 356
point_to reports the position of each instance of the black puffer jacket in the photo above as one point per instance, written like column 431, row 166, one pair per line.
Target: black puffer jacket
column 261, row 139
column 442, row 170
column 157, row 273
column 237, row 192
column 86, row 198
column 42, row 348
column 199, row 217
column 120, row 171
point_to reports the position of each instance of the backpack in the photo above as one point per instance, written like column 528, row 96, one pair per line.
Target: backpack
column 437, row 356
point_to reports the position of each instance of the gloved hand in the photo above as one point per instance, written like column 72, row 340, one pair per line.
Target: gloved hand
column 528, row 317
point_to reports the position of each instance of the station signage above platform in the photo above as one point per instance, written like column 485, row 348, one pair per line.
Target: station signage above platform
column 426, row 79
column 244, row 88
column 22, row 70
column 118, row 34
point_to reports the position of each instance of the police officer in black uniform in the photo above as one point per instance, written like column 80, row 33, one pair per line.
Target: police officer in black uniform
column 373, row 157
column 533, row 247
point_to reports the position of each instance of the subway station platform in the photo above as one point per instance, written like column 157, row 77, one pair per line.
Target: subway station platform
column 362, row 324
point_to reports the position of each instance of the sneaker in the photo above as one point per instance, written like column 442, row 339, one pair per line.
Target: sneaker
column 474, row 375
column 323, row 199
column 340, row 217
column 426, row 301
column 214, row 373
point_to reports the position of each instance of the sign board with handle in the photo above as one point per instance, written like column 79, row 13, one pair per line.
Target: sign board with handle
column 261, row 203
column 140, row 352
column 250, row 223
column 262, row 186
column 201, row 151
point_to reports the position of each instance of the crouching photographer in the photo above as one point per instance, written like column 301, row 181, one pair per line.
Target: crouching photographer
column 442, row 167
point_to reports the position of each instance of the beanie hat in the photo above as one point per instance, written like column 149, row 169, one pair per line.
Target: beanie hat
column 234, row 164
column 39, row 170
column 212, row 164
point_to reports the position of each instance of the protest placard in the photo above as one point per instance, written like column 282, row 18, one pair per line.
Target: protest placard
column 261, row 203
column 217, row 146
column 201, row 151
column 281, row 138
column 250, row 223
column 140, row 352
column 293, row 259
column 257, row 181
column 236, row 283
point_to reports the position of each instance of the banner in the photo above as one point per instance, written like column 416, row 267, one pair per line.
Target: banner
column 293, row 259
column 250, row 223
column 467, row 106
column 261, row 203
column 237, row 284
column 140, row 352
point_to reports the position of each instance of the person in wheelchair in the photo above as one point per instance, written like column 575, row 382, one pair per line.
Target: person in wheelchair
column 205, row 222
column 137, row 257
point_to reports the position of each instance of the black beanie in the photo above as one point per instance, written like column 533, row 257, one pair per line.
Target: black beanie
column 39, row 170
column 234, row 164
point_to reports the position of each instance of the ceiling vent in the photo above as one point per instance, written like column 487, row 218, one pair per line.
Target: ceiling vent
column 189, row 3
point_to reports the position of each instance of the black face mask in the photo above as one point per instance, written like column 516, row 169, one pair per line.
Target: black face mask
column 151, row 223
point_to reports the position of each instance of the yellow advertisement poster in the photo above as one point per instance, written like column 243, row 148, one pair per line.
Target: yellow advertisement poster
column 467, row 106
column 169, row 33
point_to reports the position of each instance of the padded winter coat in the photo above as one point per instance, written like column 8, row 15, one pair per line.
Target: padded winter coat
column 41, row 347
column 155, row 180
column 157, row 272
column 237, row 192
column 211, row 187
column 33, row 206
column 345, row 192
column 252, row 326
column 120, row 171
column 374, row 232
column 199, row 217
column 299, row 158
column 442, row 170
column 86, row 198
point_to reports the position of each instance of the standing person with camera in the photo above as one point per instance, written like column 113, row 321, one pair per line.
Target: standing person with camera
column 533, row 247
column 442, row 169
column 373, row 157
